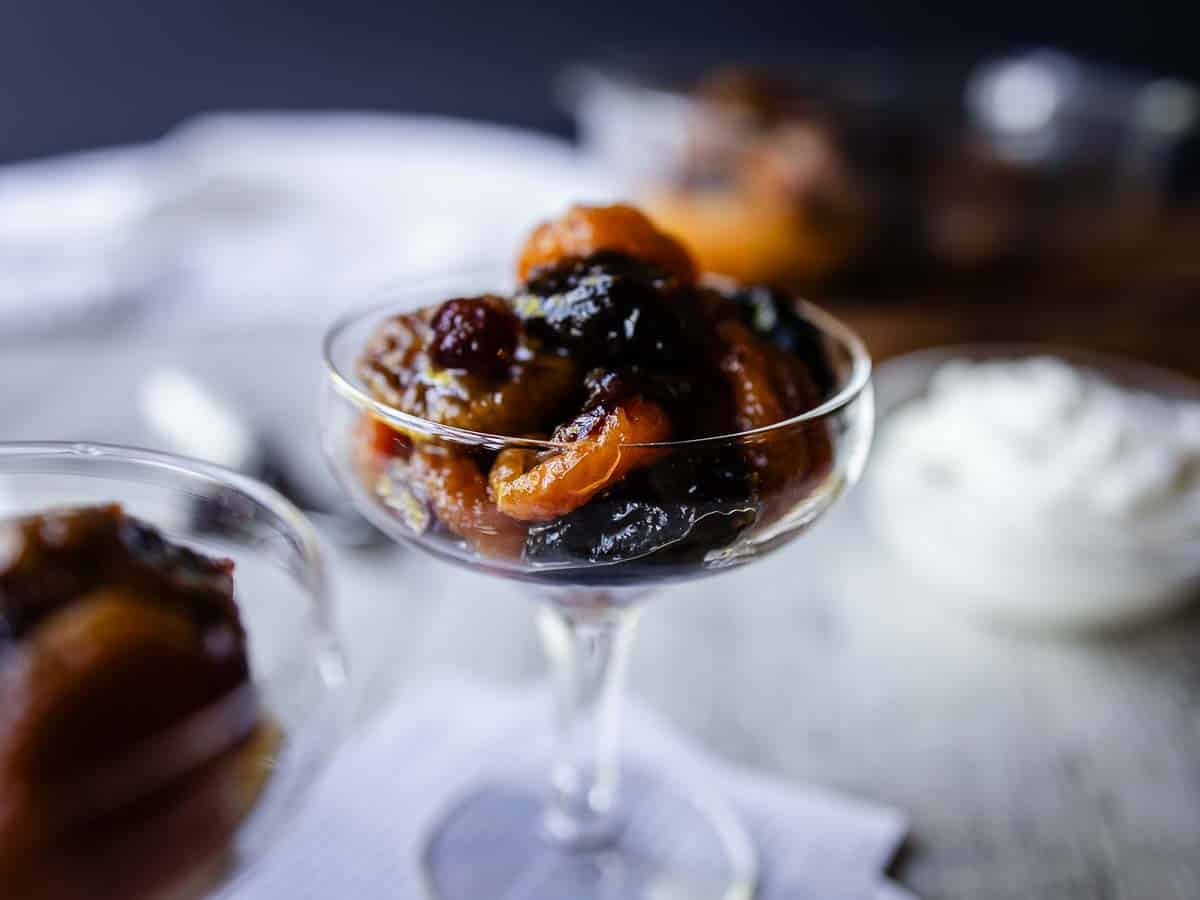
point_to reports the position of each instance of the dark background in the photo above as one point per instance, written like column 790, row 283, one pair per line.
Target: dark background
column 79, row 73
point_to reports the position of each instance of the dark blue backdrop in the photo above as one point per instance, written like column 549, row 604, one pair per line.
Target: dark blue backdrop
column 76, row 73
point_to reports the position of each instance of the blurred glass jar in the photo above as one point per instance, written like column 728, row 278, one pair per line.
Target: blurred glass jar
column 803, row 170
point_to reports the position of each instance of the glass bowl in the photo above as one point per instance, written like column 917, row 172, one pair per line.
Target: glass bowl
column 1017, row 566
column 681, row 516
column 724, row 529
column 804, row 167
column 193, row 808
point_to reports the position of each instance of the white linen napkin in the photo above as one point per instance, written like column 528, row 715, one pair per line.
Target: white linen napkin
column 244, row 218
column 362, row 831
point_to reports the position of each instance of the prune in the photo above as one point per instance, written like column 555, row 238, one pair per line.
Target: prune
column 608, row 530
column 607, row 307
column 771, row 313
column 717, row 476
column 678, row 508
column 535, row 490
column 606, row 386
column 614, row 529
column 584, row 230
column 477, row 334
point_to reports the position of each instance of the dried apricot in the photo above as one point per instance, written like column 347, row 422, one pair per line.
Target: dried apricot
column 745, row 363
column 67, row 695
column 584, row 230
column 537, row 490
column 770, row 386
column 771, row 313
column 459, row 495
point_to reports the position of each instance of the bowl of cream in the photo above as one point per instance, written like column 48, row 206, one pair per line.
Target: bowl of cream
column 1039, row 487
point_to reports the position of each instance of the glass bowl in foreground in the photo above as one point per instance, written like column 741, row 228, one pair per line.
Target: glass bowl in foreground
column 188, row 810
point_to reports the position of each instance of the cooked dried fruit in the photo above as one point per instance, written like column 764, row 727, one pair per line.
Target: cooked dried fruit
column 611, row 347
column 477, row 334
column 771, row 313
column 112, row 641
column 746, row 365
column 110, row 669
column 771, row 386
column 399, row 370
column 608, row 531
column 608, row 307
column 679, row 509
column 717, row 475
column 535, row 490
column 397, row 357
column 378, row 440
column 52, row 559
column 584, row 230
column 458, row 492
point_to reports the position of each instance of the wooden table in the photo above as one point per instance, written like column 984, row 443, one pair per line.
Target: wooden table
column 1030, row 769
column 1140, row 299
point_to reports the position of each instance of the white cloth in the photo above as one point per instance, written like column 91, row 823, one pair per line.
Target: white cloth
column 362, row 830
column 266, row 217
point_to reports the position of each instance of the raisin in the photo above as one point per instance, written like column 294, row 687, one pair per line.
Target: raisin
column 478, row 335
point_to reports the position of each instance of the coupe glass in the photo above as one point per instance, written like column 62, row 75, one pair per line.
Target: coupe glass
column 587, row 830
column 189, row 812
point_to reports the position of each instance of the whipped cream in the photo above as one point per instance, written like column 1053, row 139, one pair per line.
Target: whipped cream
column 1041, row 492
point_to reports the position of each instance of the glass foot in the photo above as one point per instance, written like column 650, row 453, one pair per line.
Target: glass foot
column 674, row 844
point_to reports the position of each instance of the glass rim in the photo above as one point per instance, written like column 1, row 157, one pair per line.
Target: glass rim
column 830, row 326
column 308, row 544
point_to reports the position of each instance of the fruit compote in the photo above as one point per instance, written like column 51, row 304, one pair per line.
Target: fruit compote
column 618, row 407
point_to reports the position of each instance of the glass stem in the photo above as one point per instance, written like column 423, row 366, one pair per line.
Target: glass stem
column 587, row 641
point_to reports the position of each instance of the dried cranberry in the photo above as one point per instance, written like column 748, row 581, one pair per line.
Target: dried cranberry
column 476, row 334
